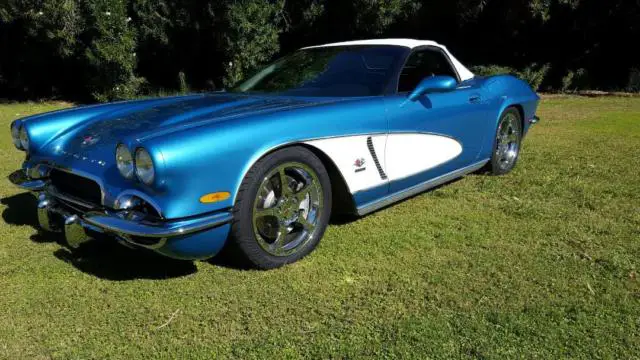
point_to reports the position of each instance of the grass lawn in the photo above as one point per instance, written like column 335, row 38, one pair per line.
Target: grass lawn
column 543, row 262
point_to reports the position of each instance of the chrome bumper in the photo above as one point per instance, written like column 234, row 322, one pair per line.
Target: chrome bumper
column 58, row 213
column 20, row 179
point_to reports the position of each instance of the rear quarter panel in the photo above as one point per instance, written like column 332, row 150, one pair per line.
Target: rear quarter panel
column 502, row 92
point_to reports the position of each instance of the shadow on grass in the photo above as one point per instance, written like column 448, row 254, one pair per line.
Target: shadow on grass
column 20, row 210
column 112, row 261
column 231, row 258
column 103, row 258
column 106, row 259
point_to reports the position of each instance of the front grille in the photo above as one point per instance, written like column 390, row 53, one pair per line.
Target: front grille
column 76, row 186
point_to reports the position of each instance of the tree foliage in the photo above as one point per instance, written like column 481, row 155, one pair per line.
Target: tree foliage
column 112, row 49
column 251, row 36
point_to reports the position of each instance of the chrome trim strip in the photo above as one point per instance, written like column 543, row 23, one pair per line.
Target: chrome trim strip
column 110, row 222
column 416, row 189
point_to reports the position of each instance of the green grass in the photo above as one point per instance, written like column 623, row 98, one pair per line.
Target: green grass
column 541, row 263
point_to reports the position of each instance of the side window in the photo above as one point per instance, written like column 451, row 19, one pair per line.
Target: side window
column 421, row 64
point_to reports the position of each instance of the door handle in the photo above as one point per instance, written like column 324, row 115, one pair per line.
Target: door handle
column 475, row 99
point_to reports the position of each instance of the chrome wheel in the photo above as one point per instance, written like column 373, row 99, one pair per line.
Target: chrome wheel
column 287, row 208
column 508, row 141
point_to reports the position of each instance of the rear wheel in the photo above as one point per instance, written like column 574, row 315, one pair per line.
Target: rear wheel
column 507, row 143
column 283, row 208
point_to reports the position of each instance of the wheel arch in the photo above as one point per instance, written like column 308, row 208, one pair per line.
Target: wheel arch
column 520, row 109
column 342, row 199
column 509, row 105
column 509, row 91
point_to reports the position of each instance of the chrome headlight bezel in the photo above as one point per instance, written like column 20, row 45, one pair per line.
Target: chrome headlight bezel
column 145, row 168
column 24, row 138
column 125, row 162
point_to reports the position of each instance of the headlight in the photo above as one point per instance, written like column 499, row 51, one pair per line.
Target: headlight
column 24, row 138
column 144, row 166
column 124, row 160
column 15, row 134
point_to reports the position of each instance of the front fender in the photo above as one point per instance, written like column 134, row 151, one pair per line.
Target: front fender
column 216, row 158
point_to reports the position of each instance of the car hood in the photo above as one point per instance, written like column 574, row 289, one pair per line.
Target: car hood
column 104, row 126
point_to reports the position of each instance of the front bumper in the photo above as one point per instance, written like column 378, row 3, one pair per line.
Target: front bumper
column 189, row 238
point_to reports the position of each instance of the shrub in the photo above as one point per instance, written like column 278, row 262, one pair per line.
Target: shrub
column 492, row 70
column 575, row 80
column 634, row 80
column 184, row 85
column 532, row 74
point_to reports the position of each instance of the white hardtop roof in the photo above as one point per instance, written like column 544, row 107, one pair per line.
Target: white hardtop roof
column 410, row 43
column 463, row 72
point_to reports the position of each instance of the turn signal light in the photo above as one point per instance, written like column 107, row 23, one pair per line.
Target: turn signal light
column 214, row 197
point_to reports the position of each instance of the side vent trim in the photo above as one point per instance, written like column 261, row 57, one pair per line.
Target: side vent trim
column 383, row 176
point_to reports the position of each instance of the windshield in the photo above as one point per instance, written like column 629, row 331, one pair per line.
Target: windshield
column 341, row 71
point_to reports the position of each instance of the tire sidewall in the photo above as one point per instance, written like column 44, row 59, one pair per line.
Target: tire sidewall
column 242, row 229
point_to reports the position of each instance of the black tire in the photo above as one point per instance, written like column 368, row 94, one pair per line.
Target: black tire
column 499, row 165
column 243, row 233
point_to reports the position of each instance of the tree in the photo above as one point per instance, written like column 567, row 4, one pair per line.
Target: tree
column 251, row 37
column 39, row 40
column 105, row 50
column 110, row 53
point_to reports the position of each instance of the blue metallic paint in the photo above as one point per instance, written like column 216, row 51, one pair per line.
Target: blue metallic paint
column 206, row 143
column 199, row 246
column 433, row 84
column 449, row 114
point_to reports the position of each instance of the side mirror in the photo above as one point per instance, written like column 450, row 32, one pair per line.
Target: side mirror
column 433, row 84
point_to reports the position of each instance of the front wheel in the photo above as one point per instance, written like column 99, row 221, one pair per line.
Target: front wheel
column 507, row 143
column 283, row 208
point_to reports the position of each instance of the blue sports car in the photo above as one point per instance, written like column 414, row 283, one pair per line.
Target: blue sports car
column 340, row 128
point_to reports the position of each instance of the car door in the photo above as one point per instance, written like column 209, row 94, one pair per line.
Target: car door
column 440, row 132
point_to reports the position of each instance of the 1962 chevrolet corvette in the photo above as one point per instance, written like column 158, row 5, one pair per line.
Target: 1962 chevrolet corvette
column 346, row 127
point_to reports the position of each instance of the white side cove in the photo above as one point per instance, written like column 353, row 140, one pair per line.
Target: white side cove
column 366, row 164
column 411, row 154
column 355, row 161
